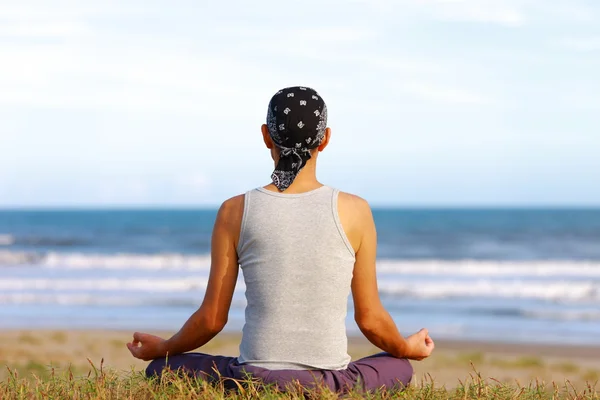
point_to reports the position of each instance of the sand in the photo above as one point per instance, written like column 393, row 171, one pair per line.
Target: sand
column 38, row 351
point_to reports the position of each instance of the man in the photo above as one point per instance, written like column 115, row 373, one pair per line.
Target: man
column 302, row 247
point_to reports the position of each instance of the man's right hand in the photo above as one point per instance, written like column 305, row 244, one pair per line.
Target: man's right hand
column 420, row 345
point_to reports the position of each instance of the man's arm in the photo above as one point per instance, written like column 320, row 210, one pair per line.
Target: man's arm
column 370, row 315
column 212, row 315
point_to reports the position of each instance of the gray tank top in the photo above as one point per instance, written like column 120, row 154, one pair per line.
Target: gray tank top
column 297, row 265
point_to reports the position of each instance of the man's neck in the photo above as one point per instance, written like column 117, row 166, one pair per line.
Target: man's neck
column 304, row 182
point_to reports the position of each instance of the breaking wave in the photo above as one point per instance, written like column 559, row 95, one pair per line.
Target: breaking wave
column 553, row 291
column 491, row 268
column 557, row 291
column 437, row 268
column 6, row 240
column 108, row 261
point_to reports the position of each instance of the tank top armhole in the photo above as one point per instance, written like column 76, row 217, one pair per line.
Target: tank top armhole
column 243, row 225
column 338, row 223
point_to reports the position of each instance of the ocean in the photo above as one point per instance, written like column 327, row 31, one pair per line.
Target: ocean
column 530, row 275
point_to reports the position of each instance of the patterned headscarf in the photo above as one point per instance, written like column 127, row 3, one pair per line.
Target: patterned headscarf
column 297, row 119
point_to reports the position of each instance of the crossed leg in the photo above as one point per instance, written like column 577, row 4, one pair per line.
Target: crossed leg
column 379, row 371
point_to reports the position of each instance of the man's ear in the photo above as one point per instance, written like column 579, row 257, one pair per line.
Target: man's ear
column 266, row 136
column 325, row 140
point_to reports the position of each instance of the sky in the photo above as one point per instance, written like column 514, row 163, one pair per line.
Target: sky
column 431, row 103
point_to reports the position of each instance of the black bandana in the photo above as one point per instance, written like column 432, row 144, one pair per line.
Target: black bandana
column 297, row 119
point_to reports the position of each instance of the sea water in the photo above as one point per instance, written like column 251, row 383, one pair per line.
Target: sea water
column 473, row 274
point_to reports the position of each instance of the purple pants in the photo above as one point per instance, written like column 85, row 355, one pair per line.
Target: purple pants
column 370, row 373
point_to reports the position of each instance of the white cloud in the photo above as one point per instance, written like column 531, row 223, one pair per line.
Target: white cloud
column 581, row 44
column 509, row 13
column 44, row 29
column 108, row 190
column 40, row 10
column 333, row 35
column 129, row 191
column 95, row 67
column 581, row 99
column 126, row 76
column 405, row 64
column 186, row 188
column 496, row 12
column 574, row 10
column 194, row 183
column 98, row 69
column 444, row 94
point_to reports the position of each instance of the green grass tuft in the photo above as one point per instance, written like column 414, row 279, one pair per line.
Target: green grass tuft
column 475, row 358
column 523, row 362
column 591, row 376
column 528, row 362
column 29, row 339
column 566, row 367
column 59, row 337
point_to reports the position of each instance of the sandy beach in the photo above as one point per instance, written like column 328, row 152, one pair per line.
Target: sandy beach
column 39, row 350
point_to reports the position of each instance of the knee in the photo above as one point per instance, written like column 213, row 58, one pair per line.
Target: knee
column 402, row 369
column 155, row 368
column 406, row 372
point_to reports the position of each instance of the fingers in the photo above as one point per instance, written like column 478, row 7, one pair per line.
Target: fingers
column 430, row 345
column 134, row 350
column 135, row 345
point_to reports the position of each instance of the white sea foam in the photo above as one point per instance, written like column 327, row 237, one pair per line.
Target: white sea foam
column 564, row 315
column 18, row 258
column 108, row 284
column 163, row 300
column 490, row 288
column 6, row 240
column 107, row 261
column 125, row 261
column 66, row 299
column 555, row 291
column 495, row 268
column 437, row 268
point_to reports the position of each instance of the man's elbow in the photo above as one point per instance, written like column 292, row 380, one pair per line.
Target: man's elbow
column 219, row 325
column 211, row 324
column 216, row 325
column 368, row 323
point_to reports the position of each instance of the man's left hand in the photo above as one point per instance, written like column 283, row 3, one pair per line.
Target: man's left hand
column 147, row 347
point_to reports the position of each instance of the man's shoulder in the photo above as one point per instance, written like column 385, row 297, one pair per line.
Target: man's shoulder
column 232, row 210
column 353, row 202
column 233, row 202
column 353, row 209
column 356, row 217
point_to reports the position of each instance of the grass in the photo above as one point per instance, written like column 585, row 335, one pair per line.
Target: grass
column 102, row 384
column 591, row 375
column 29, row 339
column 471, row 357
column 59, row 337
column 522, row 362
column 567, row 367
column 529, row 362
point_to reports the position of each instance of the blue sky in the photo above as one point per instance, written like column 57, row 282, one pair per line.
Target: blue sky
column 431, row 103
